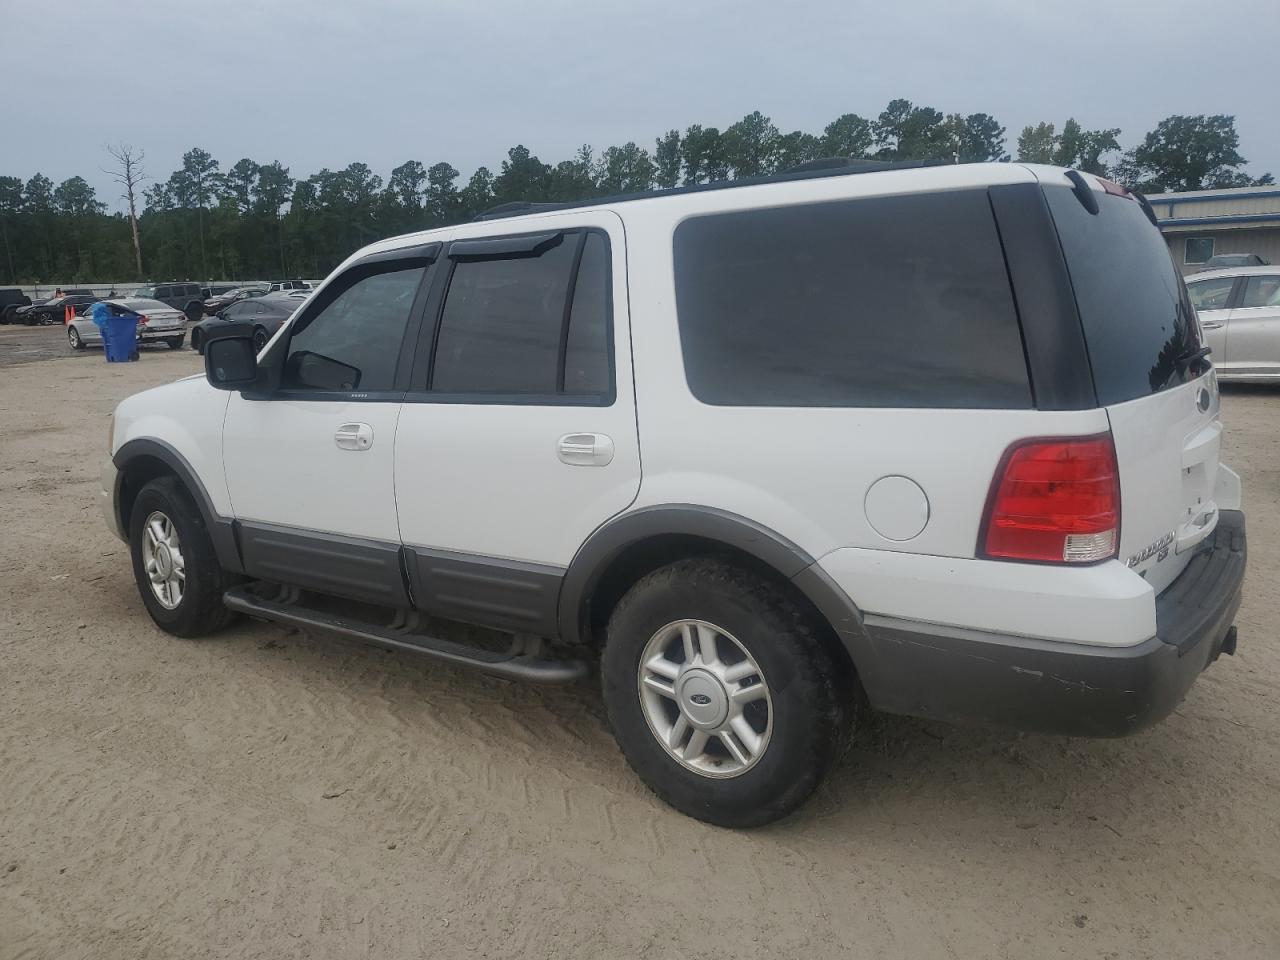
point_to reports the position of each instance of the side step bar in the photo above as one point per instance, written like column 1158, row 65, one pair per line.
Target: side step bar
column 511, row 666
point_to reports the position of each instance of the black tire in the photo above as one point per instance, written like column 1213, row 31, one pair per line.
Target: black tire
column 196, row 342
column 811, row 707
column 175, row 343
column 194, row 311
column 73, row 338
column 260, row 338
column 200, row 611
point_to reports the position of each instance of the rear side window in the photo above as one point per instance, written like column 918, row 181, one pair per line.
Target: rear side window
column 1261, row 292
column 533, row 326
column 881, row 302
column 1136, row 315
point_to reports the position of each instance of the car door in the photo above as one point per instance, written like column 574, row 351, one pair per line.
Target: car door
column 1253, row 331
column 518, row 437
column 310, row 468
column 1212, row 299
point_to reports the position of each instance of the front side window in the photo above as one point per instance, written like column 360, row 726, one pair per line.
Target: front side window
column 1198, row 250
column 881, row 302
column 1211, row 294
column 528, row 325
column 353, row 342
column 1261, row 292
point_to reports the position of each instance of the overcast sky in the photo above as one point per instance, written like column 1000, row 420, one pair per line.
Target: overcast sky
column 321, row 84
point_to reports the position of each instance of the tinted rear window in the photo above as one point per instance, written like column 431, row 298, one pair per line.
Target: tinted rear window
column 1133, row 304
column 880, row 302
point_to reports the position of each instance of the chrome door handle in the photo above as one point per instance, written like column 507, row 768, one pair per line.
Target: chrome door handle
column 585, row 449
column 354, row 436
column 1212, row 326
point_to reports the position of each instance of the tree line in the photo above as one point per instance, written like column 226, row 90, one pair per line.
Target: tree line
column 257, row 220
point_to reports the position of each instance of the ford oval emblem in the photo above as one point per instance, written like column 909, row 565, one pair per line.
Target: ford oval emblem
column 1203, row 400
column 701, row 699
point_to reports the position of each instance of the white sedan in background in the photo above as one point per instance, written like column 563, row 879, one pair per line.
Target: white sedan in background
column 1239, row 310
column 160, row 322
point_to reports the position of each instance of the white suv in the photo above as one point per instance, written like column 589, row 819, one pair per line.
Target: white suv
column 944, row 439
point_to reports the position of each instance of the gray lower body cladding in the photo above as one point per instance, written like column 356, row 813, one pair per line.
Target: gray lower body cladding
column 958, row 675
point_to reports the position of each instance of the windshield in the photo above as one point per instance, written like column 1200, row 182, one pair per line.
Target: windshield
column 144, row 292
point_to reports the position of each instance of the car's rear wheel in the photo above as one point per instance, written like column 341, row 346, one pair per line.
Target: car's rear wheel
column 174, row 563
column 721, row 694
column 175, row 343
column 260, row 339
column 194, row 311
column 73, row 338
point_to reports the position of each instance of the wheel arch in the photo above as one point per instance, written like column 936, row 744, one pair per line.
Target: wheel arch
column 630, row 546
column 142, row 460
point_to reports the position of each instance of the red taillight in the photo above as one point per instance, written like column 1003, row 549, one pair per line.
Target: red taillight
column 142, row 320
column 1055, row 501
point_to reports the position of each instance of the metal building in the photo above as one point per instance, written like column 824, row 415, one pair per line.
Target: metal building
column 1204, row 223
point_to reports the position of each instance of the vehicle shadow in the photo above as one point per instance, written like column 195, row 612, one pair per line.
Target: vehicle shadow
column 898, row 774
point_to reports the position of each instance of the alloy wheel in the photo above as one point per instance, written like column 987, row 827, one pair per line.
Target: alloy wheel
column 705, row 698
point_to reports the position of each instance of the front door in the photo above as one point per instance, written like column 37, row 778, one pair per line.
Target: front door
column 310, row 470
column 1253, row 332
column 518, row 437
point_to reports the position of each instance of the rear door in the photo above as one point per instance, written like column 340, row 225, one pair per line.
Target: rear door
column 1141, row 334
column 1212, row 298
column 1253, row 332
column 518, row 437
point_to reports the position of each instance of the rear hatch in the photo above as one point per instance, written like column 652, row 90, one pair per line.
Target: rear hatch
column 1142, row 338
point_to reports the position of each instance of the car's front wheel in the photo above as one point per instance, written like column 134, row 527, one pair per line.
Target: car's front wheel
column 174, row 563
column 721, row 694
column 73, row 338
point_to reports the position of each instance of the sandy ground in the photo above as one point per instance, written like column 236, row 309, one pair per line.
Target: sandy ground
column 269, row 794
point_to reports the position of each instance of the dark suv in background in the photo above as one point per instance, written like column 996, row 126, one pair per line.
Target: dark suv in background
column 11, row 298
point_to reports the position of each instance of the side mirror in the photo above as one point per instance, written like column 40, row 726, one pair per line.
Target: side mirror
column 231, row 363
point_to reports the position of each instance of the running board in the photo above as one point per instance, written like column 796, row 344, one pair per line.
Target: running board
column 510, row 666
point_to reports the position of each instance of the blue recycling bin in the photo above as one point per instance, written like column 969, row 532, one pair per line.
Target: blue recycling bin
column 119, row 333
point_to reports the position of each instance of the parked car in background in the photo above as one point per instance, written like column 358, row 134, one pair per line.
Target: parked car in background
column 1235, row 260
column 266, row 313
column 160, row 323
column 11, row 298
column 217, row 288
column 54, row 310
column 279, row 285
column 185, row 296
column 1239, row 312
column 221, row 301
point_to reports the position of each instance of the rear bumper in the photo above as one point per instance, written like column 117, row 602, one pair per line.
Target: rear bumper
column 959, row 675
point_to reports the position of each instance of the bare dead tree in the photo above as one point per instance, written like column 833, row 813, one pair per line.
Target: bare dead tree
column 128, row 173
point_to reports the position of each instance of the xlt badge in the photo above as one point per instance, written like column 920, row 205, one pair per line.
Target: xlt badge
column 1159, row 550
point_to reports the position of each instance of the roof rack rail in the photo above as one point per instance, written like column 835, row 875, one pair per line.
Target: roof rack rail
column 810, row 170
column 514, row 208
